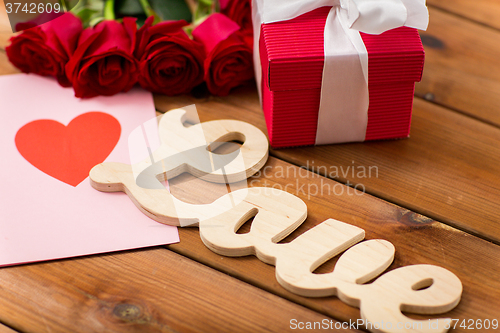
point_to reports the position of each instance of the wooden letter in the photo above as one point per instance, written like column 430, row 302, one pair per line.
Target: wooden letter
column 423, row 289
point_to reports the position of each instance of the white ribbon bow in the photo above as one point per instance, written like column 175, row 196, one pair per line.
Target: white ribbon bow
column 343, row 108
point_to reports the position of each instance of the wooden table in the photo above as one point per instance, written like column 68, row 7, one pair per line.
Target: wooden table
column 435, row 196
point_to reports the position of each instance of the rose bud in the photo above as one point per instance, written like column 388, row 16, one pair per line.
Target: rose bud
column 240, row 11
column 45, row 49
column 170, row 62
column 228, row 63
column 103, row 62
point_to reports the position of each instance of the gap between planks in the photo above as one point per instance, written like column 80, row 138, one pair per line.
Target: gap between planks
column 4, row 328
column 164, row 288
column 484, row 11
column 461, row 68
column 371, row 190
column 461, row 112
column 433, row 216
column 422, row 243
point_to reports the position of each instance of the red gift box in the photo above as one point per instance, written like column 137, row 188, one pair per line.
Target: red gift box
column 292, row 58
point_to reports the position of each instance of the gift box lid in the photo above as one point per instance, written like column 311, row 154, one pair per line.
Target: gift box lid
column 292, row 53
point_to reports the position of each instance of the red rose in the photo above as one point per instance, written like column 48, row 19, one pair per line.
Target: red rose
column 170, row 62
column 46, row 49
column 103, row 62
column 229, row 59
column 240, row 11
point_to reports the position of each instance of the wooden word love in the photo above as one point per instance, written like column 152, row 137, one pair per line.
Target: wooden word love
column 423, row 289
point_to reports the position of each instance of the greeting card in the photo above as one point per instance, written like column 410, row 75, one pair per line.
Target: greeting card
column 49, row 141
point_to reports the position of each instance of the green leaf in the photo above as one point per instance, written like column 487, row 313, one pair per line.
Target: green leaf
column 90, row 12
column 171, row 10
column 96, row 20
column 86, row 14
column 96, row 5
column 93, row 3
column 71, row 3
column 146, row 6
column 206, row 2
column 129, row 8
column 67, row 4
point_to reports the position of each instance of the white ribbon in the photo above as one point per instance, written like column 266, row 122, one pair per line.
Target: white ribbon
column 343, row 111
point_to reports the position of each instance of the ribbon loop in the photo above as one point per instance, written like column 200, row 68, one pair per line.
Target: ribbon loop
column 374, row 17
column 368, row 16
column 282, row 10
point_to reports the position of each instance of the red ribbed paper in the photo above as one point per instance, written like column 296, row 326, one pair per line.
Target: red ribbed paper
column 292, row 58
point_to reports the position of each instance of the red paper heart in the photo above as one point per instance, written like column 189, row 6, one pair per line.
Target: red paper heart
column 69, row 152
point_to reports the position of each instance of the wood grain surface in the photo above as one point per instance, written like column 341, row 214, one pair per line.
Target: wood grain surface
column 482, row 11
column 143, row 291
column 6, row 329
column 461, row 70
column 5, row 66
column 5, row 26
column 447, row 183
column 448, row 171
column 418, row 240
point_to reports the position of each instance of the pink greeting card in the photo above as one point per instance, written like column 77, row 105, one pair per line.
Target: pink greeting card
column 49, row 141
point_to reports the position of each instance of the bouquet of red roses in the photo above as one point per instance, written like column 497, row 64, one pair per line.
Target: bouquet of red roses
column 167, row 46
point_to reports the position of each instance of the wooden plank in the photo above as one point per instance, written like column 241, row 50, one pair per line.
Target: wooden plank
column 481, row 11
column 142, row 291
column 386, row 216
column 6, row 329
column 448, row 169
column 448, row 172
column 461, row 70
column 418, row 240
column 5, row 66
column 4, row 19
